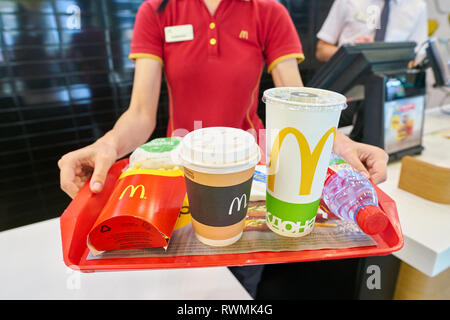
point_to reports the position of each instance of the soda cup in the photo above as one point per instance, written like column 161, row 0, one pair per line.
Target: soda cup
column 301, row 124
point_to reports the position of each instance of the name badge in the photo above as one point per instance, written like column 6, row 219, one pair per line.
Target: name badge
column 179, row 33
column 362, row 17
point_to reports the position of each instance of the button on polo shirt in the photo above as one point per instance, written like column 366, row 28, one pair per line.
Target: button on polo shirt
column 213, row 80
column 212, row 34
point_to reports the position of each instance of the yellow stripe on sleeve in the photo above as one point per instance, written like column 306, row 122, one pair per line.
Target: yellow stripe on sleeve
column 299, row 56
column 134, row 56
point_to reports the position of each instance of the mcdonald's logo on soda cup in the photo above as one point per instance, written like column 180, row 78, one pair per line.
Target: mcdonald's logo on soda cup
column 308, row 159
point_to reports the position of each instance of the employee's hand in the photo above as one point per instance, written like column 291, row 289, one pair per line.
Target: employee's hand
column 79, row 165
column 363, row 39
column 369, row 160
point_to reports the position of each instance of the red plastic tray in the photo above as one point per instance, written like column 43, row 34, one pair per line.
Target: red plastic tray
column 80, row 215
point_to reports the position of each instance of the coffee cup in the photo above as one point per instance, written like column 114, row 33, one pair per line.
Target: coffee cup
column 218, row 165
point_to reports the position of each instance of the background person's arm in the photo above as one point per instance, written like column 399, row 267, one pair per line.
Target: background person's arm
column 325, row 50
column 331, row 30
column 419, row 34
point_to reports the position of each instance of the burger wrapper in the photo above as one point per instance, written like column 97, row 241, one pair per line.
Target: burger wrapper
column 141, row 211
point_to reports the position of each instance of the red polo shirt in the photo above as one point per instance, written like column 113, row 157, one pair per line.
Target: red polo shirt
column 214, row 78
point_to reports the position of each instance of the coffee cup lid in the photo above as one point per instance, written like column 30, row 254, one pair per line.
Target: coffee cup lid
column 219, row 150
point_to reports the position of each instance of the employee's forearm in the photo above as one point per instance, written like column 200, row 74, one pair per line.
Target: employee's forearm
column 136, row 125
column 286, row 74
column 131, row 130
column 325, row 50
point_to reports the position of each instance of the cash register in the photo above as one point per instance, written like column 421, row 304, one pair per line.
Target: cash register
column 391, row 96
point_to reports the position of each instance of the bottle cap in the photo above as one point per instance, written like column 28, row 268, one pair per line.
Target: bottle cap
column 371, row 219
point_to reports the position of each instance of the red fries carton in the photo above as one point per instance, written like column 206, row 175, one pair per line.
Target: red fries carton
column 141, row 211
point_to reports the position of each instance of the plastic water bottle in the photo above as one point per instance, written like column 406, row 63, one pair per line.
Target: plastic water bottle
column 351, row 197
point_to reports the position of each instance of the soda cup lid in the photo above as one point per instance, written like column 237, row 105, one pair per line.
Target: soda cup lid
column 303, row 98
column 219, row 150
column 371, row 220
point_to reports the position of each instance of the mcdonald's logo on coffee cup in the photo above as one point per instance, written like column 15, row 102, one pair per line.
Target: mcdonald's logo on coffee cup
column 133, row 190
column 239, row 202
column 309, row 159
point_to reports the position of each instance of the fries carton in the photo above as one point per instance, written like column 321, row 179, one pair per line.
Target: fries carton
column 142, row 209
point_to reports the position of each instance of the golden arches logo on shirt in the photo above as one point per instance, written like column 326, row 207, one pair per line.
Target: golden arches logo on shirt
column 243, row 34
column 308, row 159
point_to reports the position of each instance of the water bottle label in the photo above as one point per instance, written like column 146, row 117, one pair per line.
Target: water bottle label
column 336, row 163
column 336, row 160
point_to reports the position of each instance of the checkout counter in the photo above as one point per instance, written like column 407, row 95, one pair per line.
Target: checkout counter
column 390, row 113
column 421, row 269
column 425, row 269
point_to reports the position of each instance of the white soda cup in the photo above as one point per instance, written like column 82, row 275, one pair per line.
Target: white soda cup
column 301, row 124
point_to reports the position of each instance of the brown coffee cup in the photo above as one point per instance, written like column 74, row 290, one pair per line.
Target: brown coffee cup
column 218, row 164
